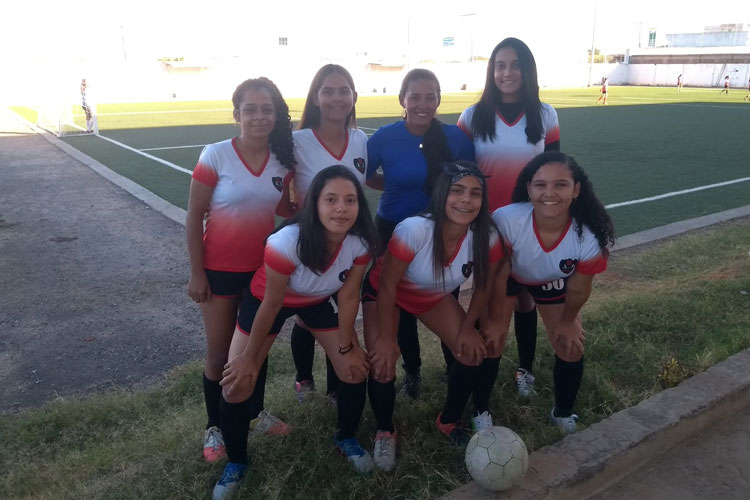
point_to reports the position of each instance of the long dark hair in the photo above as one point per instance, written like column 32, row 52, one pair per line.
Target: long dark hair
column 434, row 143
column 482, row 226
column 483, row 121
column 280, row 138
column 585, row 210
column 311, row 246
column 311, row 112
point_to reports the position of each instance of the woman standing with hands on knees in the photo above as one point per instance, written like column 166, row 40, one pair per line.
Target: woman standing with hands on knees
column 428, row 256
column 237, row 186
column 410, row 153
column 313, row 267
column 559, row 235
column 510, row 126
column 327, row 135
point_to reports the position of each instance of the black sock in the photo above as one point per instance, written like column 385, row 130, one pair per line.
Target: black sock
column 383, row 401
column 483, row 390
column 235, row 422
column 525, row 327
column 461, row 382
column 350, row 403
column 255, row 403
column 567, row 377
column 303, row 352
column 332, row 380
column 408, row 342
column 447, row 356
column 212, row 396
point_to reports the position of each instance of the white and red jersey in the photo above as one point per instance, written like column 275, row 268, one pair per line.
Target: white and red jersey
column 532, row 263
column 313, row 156
column 242, row 208
column 305, row 287
column 418, row 290
column 503, row 158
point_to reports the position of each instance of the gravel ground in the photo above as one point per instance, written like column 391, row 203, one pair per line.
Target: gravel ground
column 92, row 280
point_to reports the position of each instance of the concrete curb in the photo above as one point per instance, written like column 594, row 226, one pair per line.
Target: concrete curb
column 584, row 463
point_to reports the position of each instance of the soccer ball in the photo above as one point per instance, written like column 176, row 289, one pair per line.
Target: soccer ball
column 497, row 458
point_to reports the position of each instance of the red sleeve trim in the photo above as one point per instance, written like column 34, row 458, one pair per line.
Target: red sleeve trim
column 553, row 135
column 593, row 266
column 400, row 250
column 278, row 262
column 496, row 252
column 205, row 175
column 362, row 260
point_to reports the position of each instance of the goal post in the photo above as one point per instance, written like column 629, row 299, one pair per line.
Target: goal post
column 70, row 111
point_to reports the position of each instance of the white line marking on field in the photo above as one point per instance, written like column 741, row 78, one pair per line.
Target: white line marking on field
column 174, row 147
column 164, row 112
column 676, row 193
column 150, row 157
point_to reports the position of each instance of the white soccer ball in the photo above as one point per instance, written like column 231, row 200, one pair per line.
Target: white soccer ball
column 497, row 458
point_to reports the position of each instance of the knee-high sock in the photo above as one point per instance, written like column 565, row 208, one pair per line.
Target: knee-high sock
column 303, row 352
column 350, row 403
column 408, row 342
column 461, row 382
column 259, row 393
column 332, row 380
column 447, row 356
column 483, row 390
column 235, row 423
column 525, row 327
column 212, row 396
column 383, row 401
column 567, row 377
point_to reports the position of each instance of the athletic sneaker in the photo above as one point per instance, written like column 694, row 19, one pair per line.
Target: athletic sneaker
column 525, row 383
column 481, row 421
column 303, row 388
column 385, row 450
column 229, row 482
column 566, row 424
column 412, row 385
column 453, row 430
column 269, row 424
column 360, row 459
column 213, row 444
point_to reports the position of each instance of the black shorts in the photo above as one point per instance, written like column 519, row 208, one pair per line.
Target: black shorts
column 551, row 293
column 227, row 283
column 319, row 317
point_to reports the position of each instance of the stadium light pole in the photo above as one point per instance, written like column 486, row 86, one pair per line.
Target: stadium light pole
column 471, row 37
column 122, row 38
column 593, row 38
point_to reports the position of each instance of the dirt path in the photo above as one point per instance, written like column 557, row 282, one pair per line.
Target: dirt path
column 92, row 280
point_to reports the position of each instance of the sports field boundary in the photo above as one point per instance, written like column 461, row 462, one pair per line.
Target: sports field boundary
column 178, row 214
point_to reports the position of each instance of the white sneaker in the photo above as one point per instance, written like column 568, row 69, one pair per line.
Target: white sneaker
column 481, row 421
column 269, row 424
column 525, row 383
column 566, row 424
column 385, row 450
column 213, row 444
column 360, row 458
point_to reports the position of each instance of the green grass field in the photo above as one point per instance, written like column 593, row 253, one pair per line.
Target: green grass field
column 645, row 143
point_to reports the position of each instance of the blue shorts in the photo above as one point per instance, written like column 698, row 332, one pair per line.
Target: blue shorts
column 551, row 293
column 227, row 283
column 323, row 316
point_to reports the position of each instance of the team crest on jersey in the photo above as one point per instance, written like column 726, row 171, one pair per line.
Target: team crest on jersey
column 278, row 183
column 467, row 268
column 359, row 164
column 343, row 274
column 568, row 265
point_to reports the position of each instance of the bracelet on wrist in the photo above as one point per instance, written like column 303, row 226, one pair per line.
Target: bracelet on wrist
column 346, row 348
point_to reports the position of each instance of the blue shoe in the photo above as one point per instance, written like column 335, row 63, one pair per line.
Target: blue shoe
column 229, row 482
column 360, row 458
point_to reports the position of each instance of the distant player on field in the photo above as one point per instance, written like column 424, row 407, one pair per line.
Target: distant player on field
column 725, row 90
column 679, row 83
column 86, row 108
column 604, row 90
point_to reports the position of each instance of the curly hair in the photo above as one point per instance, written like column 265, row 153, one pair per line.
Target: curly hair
column 483, row 121
column 586, row 209
column 280, row 139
